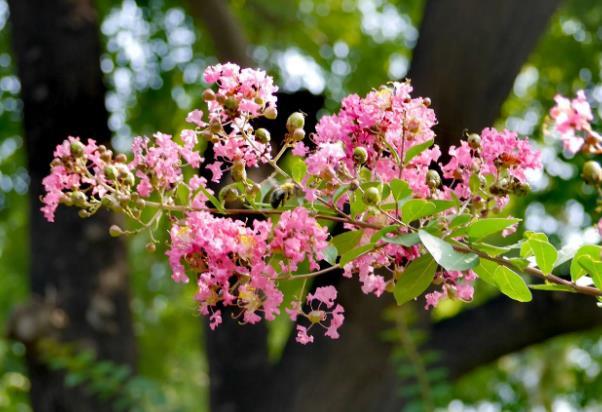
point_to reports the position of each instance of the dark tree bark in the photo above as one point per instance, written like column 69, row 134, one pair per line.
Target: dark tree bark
column 468, row 55
column 75, row 266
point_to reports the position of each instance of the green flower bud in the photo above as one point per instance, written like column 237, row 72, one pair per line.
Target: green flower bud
column 270, row 113
column 474, row 140
column 115, row 231
column 295, row 121
column 238, row 172
column 77, row 148
column 110, row 172
column 262, row 135
column 78, row 198
column 298, row 135
column 231, row 104
column 360, row 155
column 592, row 172
column 129, row 179
column 371, row 196
column 229, row 194
column 433, row 180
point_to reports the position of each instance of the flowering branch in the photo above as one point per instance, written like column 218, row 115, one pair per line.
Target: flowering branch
column 371, row 167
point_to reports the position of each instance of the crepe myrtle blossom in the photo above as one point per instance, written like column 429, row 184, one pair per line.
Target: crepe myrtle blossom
column 321, row 312
column 571, row 121
column 364, row 196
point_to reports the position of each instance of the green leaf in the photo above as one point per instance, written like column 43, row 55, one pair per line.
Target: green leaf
column 491, row 250
column 339, row 193
column 512, row 285
column 507, row 281
column 484, row 227
column 330, row 254
column 593, row 251
column 356, row 205
column 211, row 198
column 400, row 189
column 354, row 253
column 298, row 169
column 347, row 240
column 551, row 287
column 407, row 240
column 545, row 254
column 415, row 279
column 593, row 267
column 441, row 205
column 445, row 254
column 415, row 209
column 378, row 235
column 414, row 151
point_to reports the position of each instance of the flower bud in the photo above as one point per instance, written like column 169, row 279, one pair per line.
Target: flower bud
column 215, row 126
column 229, row 194
column 106, row 156
column 592, row 172
column 298, row 135
column 121, row 158
column 371, row 196
column 270, row 113
column 295, row 121
column 474, row 140
column 433, row 180
column 84, row 213
column 115, row 231
column 78, row 198
column 77, row 148
column 262, row 135
column 360, row 155
column 150, row 247
column 208, row 95
column 238, row 172
column 129, row 179
column 110, row 172
column 231, row 104
column 427, row 102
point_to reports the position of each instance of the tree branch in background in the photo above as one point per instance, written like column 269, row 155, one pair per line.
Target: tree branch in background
column 225, row 31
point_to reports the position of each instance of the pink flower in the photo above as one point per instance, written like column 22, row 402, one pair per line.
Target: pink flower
column 298, row 236
column 302, row 336
column 600, row 227
column 216, row 170
column 320, row 311
column 571, row 117
column 196, row 117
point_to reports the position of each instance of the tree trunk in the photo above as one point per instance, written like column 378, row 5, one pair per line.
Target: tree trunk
column 75, row 266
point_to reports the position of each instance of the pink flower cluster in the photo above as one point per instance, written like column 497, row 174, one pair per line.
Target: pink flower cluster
column 80, row 174
column 386, row 122
column 161, row 160
column 571, row 120
column 322, row 312
column 454, row 284
column 298, row 237
column 232, row 262
column 500, row 154
column 241, row 96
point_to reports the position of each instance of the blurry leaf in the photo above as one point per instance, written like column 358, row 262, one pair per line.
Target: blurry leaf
column 298, row 169
column 414, row 151
column 407, row 240
column 400, row 189
column 592, row 251
column 593, row 267
column 347, row 240
column 415, row 279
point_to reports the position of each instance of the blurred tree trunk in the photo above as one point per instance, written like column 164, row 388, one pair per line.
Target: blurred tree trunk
column 75, row 266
